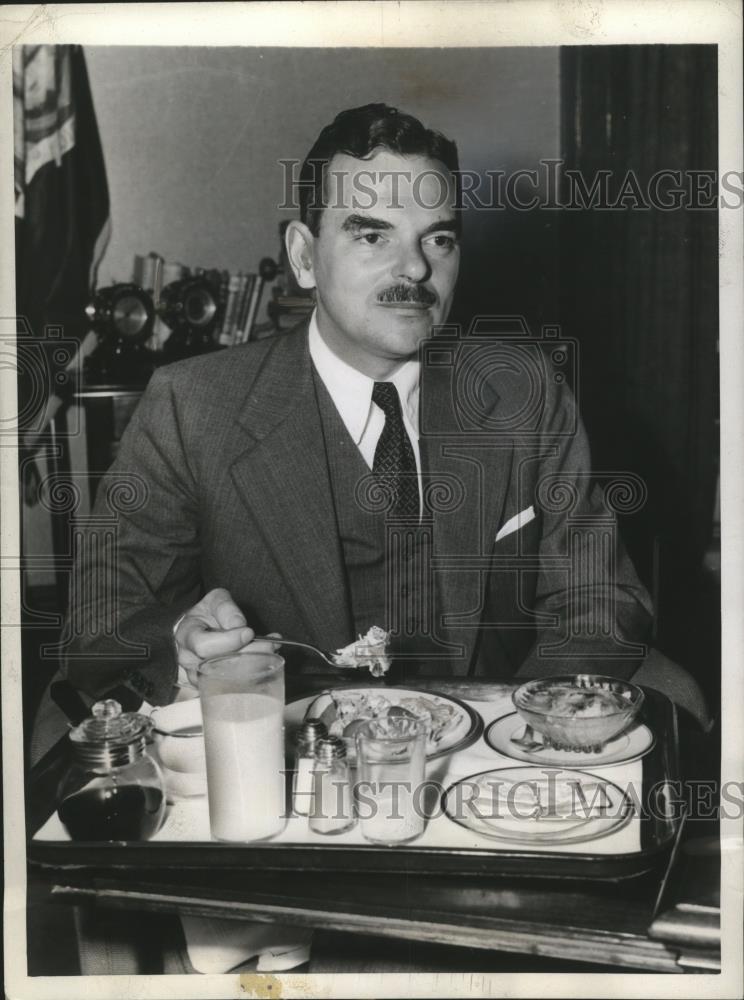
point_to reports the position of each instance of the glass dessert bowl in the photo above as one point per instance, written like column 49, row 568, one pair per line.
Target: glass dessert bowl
column 580, row 712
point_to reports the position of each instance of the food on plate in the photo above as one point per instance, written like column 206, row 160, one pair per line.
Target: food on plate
column 345, row 712
column 369, row 650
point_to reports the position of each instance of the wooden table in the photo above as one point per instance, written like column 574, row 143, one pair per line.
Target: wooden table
column 614, row 924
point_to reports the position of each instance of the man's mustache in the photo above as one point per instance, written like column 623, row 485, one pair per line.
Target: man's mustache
column 408, row 293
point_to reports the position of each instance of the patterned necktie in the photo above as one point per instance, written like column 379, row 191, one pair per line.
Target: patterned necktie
column 395, row 464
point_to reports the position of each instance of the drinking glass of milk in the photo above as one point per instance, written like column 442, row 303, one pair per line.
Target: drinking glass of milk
column 391, row 765
column 242, row 700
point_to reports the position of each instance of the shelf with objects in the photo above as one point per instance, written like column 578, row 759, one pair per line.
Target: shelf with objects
column 168, row 312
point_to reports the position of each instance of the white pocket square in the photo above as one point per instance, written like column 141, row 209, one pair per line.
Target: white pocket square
column 515, row 523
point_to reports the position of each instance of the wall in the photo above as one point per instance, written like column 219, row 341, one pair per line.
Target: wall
column 192, row 140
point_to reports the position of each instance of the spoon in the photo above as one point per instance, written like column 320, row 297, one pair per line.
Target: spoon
column 527, row 740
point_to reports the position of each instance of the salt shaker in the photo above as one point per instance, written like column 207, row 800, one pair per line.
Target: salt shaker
column 302, row 789
column 333, row 804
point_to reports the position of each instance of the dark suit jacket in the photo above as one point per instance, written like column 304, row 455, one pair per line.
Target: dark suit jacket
column 221, row 480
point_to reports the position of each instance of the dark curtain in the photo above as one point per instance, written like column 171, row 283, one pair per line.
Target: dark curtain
column 639, row 289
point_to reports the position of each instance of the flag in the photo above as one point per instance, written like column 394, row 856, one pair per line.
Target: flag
column 61, row 197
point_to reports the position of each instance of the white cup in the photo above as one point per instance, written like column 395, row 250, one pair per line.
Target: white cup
column 179, row 743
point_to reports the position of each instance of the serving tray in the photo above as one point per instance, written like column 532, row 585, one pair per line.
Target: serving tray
column 655, row 826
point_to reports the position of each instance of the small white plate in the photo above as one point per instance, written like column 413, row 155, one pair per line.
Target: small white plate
column 628, row 746
column 596, row 807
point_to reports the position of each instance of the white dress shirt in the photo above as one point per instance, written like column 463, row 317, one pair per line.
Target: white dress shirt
column 351, row 392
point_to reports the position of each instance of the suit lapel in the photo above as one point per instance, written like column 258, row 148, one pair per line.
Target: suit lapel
column 283, row 480
column 478, row 469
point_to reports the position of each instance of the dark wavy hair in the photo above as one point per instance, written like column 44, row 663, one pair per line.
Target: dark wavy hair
column 358, row 132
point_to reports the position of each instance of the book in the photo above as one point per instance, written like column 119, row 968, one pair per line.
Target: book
column 228, row 323
column 157, row 264
column 219, row 281
column 239, row 303
column 244, row 329
column 255, row 299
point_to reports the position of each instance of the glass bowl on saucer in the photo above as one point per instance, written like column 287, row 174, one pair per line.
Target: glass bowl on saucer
column 578, row 711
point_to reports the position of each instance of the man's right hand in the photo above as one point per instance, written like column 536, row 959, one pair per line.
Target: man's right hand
column 214, row 627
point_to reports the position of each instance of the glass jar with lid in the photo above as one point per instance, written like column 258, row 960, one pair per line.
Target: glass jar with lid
column 113, row 790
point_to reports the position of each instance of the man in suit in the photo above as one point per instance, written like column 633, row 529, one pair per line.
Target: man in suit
column 372, row 467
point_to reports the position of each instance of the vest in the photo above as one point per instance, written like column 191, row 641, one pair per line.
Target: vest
column 386, row 562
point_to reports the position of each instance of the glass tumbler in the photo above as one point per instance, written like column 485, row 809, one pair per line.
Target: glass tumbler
column 242, row 700
column 391, row 770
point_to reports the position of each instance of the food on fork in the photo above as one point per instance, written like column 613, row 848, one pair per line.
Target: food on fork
column 369, row 650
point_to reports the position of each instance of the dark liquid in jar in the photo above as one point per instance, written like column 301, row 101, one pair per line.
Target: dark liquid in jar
column 117, row 812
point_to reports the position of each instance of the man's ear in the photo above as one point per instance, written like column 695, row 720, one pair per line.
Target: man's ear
column 300, row 242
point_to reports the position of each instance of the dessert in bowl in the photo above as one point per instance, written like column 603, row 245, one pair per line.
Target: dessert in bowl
column 578, row 711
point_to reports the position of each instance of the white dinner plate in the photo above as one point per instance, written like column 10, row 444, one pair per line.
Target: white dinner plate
column 628, row 746
column 465, row 729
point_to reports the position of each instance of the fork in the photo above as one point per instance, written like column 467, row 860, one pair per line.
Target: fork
column 329, row 658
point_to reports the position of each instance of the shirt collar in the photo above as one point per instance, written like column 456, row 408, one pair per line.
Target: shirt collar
column 351, row 390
